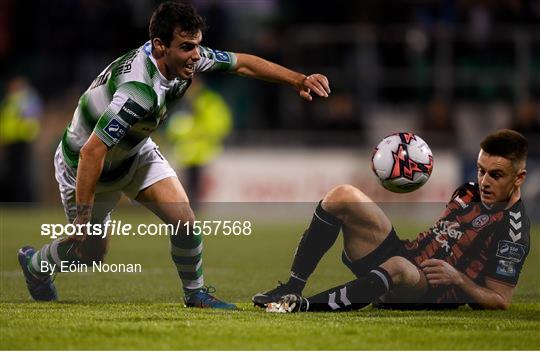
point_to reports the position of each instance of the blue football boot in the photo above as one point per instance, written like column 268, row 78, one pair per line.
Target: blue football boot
column 40, row 289
column 204, row 299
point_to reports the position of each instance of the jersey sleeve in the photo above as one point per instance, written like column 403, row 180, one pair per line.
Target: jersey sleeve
column 510, row 248
column 462, row 197
column 215, row 60
column 131, row 102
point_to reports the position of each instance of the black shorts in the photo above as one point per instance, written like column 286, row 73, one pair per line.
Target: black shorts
column 392, row 246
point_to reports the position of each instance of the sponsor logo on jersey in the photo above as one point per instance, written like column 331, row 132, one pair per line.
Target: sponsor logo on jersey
column 222, row 56
column 511, row 251
column 506, row 268
column 131, row 112
column 480, row 220
column 446, row 230
column 115, row 130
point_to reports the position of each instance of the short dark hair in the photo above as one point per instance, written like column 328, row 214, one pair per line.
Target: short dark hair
column 507, row 143
column 171, row 15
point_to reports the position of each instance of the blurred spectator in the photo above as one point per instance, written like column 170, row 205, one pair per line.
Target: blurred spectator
column 438, row 125
column 215, row 13
column 197, row 131
column 20, row 111
column 267, row 111
column 527, row 119
column 527, row 122
column 339, row 113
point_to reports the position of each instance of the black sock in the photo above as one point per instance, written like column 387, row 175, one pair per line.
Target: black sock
column 353, row 295
column 315, row 242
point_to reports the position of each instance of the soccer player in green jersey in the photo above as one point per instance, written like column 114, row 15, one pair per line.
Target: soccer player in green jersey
column 106, row 148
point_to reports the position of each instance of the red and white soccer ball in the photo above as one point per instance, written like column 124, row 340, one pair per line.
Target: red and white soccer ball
column 402, row 162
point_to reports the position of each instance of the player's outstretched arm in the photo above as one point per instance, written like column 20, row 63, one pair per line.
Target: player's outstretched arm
column 494, row 296
column 259, row 68
column 91, row 158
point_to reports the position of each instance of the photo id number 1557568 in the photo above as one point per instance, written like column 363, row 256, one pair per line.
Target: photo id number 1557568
column 218, row 227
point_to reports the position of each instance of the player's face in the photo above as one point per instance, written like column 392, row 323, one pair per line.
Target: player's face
column 182, row 54
column 498, row 179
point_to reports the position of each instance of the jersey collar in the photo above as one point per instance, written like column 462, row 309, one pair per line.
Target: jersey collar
column 147, row 47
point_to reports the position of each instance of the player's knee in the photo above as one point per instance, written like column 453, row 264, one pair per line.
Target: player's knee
column 187, row 216
column 339, row 198
column 184, row 222
column 341, row 193
column 177, row 214
column 402, row 271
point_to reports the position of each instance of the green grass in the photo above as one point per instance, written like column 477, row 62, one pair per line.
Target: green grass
column 144, row 310
column 168, row 326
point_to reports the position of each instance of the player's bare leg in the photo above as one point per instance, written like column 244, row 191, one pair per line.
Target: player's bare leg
column 409, row 282
column 169, row 201
column 365, row 226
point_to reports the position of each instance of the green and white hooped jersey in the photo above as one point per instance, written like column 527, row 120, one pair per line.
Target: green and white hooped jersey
column 128, row 101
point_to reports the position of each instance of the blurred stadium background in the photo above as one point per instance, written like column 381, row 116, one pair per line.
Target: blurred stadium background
column 448, row 70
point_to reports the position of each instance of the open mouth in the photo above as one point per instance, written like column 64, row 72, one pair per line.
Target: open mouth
column 190, row 68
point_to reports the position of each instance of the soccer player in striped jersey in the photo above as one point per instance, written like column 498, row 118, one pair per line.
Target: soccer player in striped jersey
column 106, row 149
column 472, row 255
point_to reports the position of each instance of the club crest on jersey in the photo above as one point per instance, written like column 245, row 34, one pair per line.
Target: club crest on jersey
column 222, row 56
column 480, row 220
column 115, row 130
column 514, row 252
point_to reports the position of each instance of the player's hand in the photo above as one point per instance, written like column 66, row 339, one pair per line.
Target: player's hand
column 315, row 83
column 84, row 213
column 439, row 272
column 77, row 237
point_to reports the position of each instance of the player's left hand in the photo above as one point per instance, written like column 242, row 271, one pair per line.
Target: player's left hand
column 439, row 272
column 316, row 83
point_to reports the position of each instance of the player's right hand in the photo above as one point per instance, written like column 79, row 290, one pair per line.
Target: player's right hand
column 317, row 83
column 439, row 272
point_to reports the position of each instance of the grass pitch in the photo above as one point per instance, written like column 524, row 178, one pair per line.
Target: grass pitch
column 144, row 310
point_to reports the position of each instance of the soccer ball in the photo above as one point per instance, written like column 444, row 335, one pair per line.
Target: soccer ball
column 402, row 162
